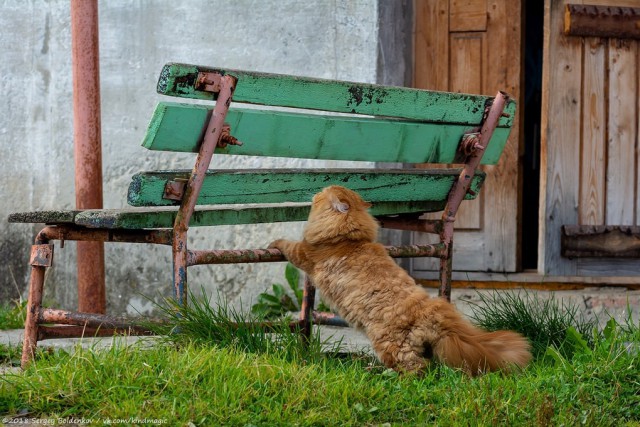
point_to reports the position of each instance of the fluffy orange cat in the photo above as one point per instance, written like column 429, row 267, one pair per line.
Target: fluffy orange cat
column 368, row 289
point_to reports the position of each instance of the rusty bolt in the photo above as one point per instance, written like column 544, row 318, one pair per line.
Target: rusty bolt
column 226, row 138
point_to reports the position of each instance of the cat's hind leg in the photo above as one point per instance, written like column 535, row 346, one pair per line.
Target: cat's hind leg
column 403, row 357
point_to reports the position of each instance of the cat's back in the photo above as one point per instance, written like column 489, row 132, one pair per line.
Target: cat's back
column 360, row 265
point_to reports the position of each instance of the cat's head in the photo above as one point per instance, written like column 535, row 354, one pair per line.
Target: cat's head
column 339, row 214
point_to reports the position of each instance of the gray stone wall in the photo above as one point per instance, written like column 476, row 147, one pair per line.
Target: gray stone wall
column 319, row 38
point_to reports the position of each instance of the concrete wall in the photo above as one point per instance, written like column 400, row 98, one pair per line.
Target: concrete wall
column 329, row 39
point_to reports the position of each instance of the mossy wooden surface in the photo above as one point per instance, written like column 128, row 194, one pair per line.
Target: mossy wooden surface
column 266, row 196
column 297, row 185
column 179, row 127
column 163, row 217
column 44, row 217
column 339, row 96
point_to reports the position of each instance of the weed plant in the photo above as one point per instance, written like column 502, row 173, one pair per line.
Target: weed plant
column 279, row 302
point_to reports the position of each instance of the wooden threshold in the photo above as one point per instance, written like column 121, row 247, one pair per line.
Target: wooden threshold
column 528, row 280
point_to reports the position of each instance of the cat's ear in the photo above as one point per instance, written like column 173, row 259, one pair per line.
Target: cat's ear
column 341, row 207
column 338, row 205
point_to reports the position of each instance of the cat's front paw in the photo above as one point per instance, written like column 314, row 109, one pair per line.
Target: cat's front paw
column 276, row 244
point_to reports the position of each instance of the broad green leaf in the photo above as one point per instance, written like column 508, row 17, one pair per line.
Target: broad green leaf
column 278, row 290
column 578, row 342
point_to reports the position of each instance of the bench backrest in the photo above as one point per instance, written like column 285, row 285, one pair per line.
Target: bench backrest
column 385, row 124
column 332, row 120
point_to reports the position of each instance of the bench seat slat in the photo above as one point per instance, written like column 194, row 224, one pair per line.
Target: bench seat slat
column 163, row 217
column 44, row 217
column 330, row 95
column 297, row 185
column 179, row 127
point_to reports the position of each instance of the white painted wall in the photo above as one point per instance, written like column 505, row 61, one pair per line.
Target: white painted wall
column 320, row 38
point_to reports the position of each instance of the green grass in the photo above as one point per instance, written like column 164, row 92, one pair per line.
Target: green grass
column 203, row 322
column 10, row 355
column 12, row 315
column 544, row 321
column 264, row 381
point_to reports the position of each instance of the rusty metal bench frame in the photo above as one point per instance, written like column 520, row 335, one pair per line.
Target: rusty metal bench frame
column 68, row 323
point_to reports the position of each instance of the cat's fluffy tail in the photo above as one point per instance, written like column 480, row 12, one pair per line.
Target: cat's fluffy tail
column 474, row 350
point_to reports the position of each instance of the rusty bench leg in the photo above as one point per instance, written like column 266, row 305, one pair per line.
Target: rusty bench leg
column 446, row 269
column 41, row 258
column 306, row 308
column 180, row 267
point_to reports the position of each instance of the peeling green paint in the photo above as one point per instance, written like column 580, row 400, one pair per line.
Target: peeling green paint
column 299, row 185
column 178, row 127
column 336, row 96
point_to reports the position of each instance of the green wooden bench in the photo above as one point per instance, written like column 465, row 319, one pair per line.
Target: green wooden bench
column 377, row 124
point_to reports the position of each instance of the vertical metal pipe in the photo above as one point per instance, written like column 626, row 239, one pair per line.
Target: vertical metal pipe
column 33, row 308
column 87, row 147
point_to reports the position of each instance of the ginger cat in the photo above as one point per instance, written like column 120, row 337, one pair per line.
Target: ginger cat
column 370, row 291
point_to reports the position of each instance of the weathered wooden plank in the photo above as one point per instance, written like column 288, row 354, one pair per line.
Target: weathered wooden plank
column 602, row 21
column 164, row 217
column 330, row 95
column 623, row 268
column 637, row 195
column 560, row 142
column 622, row 132
column 440, row 65
column 431, row 67
column 44, row 217
column 468, row 15
column 467, row 54
column 431, row 71
column 501, row 68
column 293, row 185
column 179, row 127
column 601, row 241
column 591, row 209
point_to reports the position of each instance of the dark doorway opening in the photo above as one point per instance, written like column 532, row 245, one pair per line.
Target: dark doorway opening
column 534, row 33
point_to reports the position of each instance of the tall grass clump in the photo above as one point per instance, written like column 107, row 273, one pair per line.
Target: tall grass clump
column 544, row 321
column 202, row 322
column 12, row 315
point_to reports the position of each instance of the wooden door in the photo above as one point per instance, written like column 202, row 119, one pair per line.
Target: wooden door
column 590, row 161
column 474, row 46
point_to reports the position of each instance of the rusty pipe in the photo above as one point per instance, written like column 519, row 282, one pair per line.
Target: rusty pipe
column 493, row 112
column 329, row 319
column 306, row 308
column 50, row 315
column 209, row 143
column 87, row 147
column 34, row 301
column 234, row 256
column 71, row 232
